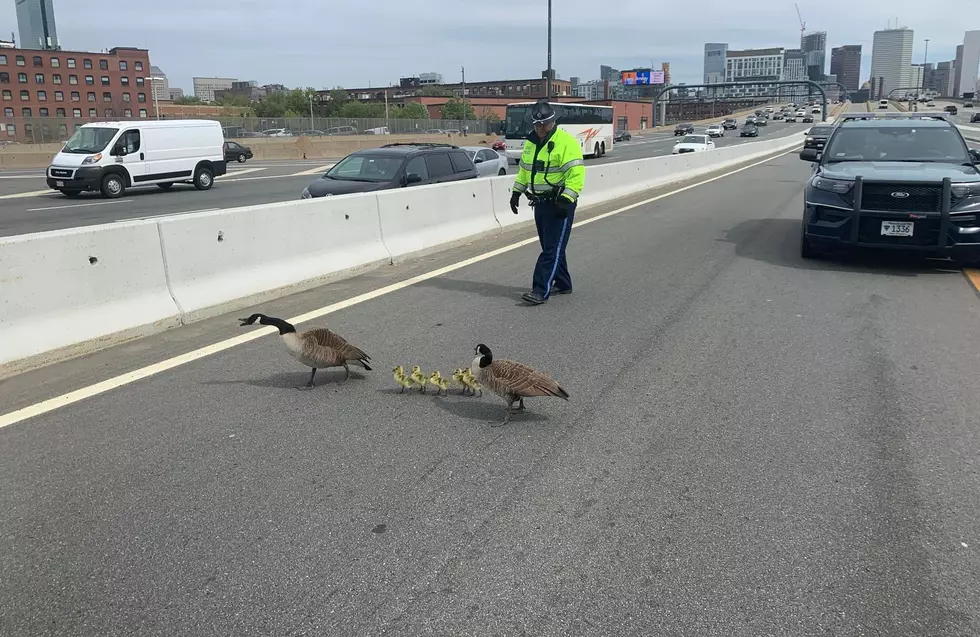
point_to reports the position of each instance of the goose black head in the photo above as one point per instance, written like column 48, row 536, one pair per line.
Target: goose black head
column 484, row 354
column 251, row 320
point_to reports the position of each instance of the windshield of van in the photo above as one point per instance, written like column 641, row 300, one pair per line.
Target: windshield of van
column 90, row 140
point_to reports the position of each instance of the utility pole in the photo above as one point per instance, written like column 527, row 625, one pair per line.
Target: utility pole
column 462, row 70
column 925, row 58
column 549, row 52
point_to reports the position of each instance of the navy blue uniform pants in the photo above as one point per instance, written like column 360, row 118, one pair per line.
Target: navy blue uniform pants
column 551, row 270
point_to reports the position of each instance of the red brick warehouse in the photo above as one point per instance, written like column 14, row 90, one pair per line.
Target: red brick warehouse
column 47, row 94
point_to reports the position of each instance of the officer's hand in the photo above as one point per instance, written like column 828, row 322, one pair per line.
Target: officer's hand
column 562, row 206
column 515, row 199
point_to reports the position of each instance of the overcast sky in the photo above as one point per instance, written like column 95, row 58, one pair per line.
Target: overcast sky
column 326, row 43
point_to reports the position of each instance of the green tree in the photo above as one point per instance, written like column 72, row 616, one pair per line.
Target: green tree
column 412, row 110
column 338, row 99
column 187, row 99
column 435, row 91
column 453, row 109
column 360, row 110
column 488, row 114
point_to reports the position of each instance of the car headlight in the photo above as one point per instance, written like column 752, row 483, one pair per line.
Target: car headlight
column 966, row 190
column 306, row 193
column 92, row 159
column 832, row 185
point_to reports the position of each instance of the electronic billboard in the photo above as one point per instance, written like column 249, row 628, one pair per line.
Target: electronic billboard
column 642, row 77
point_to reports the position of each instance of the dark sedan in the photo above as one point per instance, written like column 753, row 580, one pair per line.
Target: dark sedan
column 683, row 129
column 817, row 137
column 749, row 130
column 237, row 152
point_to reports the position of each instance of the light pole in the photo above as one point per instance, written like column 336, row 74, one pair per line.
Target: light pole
column 549, row 52
column 153, row 90
column 925, row 57
column 312, row 126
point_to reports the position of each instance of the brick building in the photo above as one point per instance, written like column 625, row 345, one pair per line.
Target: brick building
column 46, row 94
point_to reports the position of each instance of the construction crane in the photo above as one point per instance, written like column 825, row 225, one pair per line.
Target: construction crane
column 802, row 23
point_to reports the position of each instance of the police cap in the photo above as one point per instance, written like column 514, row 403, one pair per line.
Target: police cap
column 542, row 112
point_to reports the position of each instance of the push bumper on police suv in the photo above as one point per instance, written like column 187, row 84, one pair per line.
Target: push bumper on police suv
column 941, row 219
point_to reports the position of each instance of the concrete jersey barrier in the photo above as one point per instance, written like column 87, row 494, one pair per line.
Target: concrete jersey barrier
column 71, row 292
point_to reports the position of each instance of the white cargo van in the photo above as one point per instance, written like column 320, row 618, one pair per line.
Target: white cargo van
column 110, row 157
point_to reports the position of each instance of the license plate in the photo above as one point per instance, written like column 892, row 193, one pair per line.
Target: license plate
column 897, row 228
column 59, row 184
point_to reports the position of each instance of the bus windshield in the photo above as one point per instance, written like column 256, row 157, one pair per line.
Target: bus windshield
column 518, row 124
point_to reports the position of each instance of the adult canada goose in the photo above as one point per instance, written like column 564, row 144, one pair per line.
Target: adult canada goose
column 511, row 380
column 317, row 347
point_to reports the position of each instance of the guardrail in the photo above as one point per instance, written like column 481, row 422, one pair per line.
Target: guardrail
column 70, row 292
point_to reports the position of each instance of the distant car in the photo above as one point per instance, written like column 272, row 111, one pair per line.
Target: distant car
column 968, row 105
column 394, row 166
column 791, row 118
column 683, row 129
column 749, row 130
column 622, row 136
column 715, row 130
column 815, row 109
column 817, row 136
column 808, row 119
column 237, row 152
column 951, row 109
column 761, row 121
column 693, row 144
column 730, row 124
column 499, row 145
column 975, row 118
column 488, row 162
column 776, row 117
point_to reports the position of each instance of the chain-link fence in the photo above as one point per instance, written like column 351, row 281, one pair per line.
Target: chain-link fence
column 45, row 130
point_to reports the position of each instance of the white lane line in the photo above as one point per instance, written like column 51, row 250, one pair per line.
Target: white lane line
column 81, row 205
column 115, row 382
column 235, row 173
column 314, row 171
column 33, row 193
column 225, row 181
column 40, row 176
column 163, row 215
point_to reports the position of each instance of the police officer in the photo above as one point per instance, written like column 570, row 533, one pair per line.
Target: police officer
column 551, row 175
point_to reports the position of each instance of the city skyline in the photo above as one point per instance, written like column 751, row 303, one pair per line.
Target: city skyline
column 232, row 45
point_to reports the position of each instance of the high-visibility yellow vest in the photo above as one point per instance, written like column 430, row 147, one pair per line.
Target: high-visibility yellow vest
column 556, row 166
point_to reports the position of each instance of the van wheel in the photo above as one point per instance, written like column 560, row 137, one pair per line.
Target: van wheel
column 501, row 172
column 241, row 158
column 203, row 179
column 113, row 186
column 165, row 186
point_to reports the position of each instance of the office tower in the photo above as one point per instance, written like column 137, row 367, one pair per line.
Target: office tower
column 891, row 62
column 814, row 45
column 957, row 65
column 714, row 62
column 35, row 21
column 968, row 63
column 845, row 63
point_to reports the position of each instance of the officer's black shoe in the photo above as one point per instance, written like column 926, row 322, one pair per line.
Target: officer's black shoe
column 567, row 291
column 533, row 298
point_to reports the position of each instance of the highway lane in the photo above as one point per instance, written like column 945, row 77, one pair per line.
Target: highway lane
column 26, row 206
column 755, row 445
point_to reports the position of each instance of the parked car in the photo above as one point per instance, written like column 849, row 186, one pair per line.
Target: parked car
column 113, row 156
column 394, row 166
column 693, row 144
column 622, row 136
column 237, row 152
column 489, row 163
column 683, row 129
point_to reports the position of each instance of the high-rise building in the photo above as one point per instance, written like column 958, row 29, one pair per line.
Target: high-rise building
column 204, row 87
column 917, row 76
column 957, row 65
column 845, row 63
column 35, row 21
column 714, row 62
column 160, row 84
column 608, row 73
column 941, row 80
column 794, row 68
column 815, row 46
column 969, row 67
column 759, row 66
column 891, row 62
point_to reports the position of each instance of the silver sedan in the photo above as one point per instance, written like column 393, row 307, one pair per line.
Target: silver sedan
column 489, row 163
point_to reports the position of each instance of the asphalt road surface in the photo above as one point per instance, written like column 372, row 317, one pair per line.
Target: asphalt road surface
column 754, row 445
column 26, row 205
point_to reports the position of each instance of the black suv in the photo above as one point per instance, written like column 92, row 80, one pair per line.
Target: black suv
column 817, row 136
column 394, row 166
column 730, row 124
column 683, row 129
column 893, row 180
